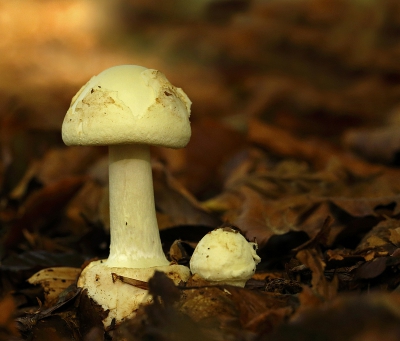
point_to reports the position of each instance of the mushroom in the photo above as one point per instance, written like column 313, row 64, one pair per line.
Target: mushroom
column 224, row 256
column 128, row 108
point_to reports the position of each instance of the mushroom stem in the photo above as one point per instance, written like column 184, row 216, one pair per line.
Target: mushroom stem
column 135, row 238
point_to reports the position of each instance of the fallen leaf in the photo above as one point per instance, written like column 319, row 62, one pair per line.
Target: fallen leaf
column 19, row 267
column 318, row 153
column 373, row 316
column 7, row 315
column 210, row 303
column 379, row 144
column 324, row 289
column 321, row 238
column 211, row 143
column 32, row 322
column 52, row 328
column 395, row 236
column 379, row 238
column 262, row 312
column 177, row 203
column 41, row 206
column 54, row 281
column 180, row 252
column 371, row 269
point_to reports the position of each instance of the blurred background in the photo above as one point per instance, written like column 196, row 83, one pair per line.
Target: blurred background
column 310, row 67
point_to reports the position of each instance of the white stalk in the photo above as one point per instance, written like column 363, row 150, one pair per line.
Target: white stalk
column 135, row 238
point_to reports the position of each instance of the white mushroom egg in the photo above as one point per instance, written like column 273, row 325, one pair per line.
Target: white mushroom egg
column 224, row 256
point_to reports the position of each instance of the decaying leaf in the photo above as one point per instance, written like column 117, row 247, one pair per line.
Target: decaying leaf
column 318, row 153
column 54, row 281
column 8, row 329
column 30, row 322
column 371, row 269
column 43, row 205
column 379, row 144
column 324, row 289
column 226, row 307
column 174, row 200
column 363, row 317
column 395, row 236
column 179, row 252
column 381, row 239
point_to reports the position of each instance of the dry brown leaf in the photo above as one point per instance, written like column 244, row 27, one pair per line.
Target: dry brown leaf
column 244, row 163
column 57, row 164
column 7, row 311
column 261, row 219
column 369, row 316
column 43, row 205
column 394, row 237
column 211, row 144
column 364, row 206
column 261, row 312
column 371, row 269
column 334, row 255
column 208, row 303
column 324, row 289
column 174, row 200
column 253, row 219
column 318, row 153
column 379, row 238
column 54, row 281
column 229, row 306
column 88, row 206
column 320, row 239
column 178, row 252
column 379, row 145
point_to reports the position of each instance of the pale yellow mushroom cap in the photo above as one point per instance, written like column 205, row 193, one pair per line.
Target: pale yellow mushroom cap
column 224, row 256
column 128, row 104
